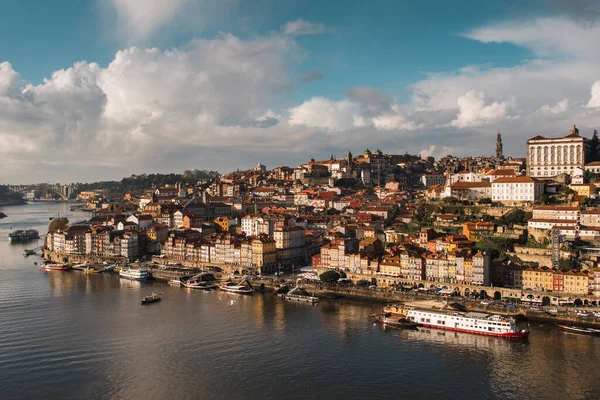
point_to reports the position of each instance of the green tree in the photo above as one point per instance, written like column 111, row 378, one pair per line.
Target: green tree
column 330, row 276
column 363, row 283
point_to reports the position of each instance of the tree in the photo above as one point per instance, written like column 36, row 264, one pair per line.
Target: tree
column 363, row 283
column 58, row 223
column 544, row 199
column 330, row 276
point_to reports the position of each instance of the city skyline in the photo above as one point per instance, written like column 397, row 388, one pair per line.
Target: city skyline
column 202, row 84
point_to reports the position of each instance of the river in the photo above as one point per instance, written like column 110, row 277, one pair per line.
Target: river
column 69, row 335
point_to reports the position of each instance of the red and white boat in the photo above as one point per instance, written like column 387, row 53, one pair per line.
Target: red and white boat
column 469, row 322
column 55, row 267
column 578, row 329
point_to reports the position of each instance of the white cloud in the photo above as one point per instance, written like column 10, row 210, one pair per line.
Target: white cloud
column 147, row 106
column 560, row 107
column 302, row 27
column 364, row 107
column 8, row 79
column 141, row 18
column 548, row 36
column 473, row 110
column 320, row 112
column 595, row 95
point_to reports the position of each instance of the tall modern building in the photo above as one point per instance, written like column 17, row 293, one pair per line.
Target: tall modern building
column 499, row 154
column 549, row 157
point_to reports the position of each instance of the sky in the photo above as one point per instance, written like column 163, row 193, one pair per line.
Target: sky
column 101, row 89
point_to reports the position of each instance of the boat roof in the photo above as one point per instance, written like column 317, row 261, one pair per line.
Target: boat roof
column 474, row 314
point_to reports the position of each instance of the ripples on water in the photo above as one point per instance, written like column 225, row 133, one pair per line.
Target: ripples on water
column 68, row 335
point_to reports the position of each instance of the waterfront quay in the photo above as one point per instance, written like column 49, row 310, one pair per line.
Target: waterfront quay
column 487, row 298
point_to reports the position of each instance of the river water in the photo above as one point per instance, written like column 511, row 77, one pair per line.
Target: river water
column 68, row 335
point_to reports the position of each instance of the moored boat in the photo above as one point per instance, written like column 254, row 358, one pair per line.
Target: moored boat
column 396, row 310
column 233, row 288
column 469, row 322
column 134, row 274
column 579, row 329
column 108, row 268
column 203, row 281
column 299, row 294
column 55, row 267
column 23, row 235
column 389, row 319
column 175, row 282
column 154, row 297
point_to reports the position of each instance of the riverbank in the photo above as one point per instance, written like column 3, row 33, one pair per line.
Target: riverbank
column 165, row 272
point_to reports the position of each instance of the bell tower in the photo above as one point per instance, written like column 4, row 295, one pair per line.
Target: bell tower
column 499, row 154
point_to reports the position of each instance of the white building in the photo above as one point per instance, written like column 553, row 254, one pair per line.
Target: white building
column 516, row 190
column 429, row 180
column 465, row 176
column 469, row 190
column 547, row 217
column 250, row 225
column 549, row 157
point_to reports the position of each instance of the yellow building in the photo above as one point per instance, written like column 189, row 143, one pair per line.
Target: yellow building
column 264, row 254
column 576, row 282
column 468, row 264
column 583, row 189
column 391, row 266
column 223, row 223
column 538, row 278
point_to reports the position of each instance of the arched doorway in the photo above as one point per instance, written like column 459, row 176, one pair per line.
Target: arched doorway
column 420, row 286
column 586, row 302
column 432, row 287
column 578, row 302
column 483, row 294
column 545, row 301
column 467, row 292
column 497, row 295
column 457, row 291
column 374, row 281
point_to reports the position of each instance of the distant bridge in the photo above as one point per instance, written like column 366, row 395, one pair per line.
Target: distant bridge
column 63, row 191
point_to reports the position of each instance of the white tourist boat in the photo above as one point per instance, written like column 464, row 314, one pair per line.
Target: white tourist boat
column 469, row 322
column 300, row 295
column 203, row 281
column 134, row 274
column 233, row 288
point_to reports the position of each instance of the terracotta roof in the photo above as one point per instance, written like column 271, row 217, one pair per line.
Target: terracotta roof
column 466, row 185
column 556, row 208
column 515, row 179
column 502, row 172
column 538, row 137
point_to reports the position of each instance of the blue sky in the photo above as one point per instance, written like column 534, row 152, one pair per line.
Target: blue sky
column 408, row 75
column 378, row 43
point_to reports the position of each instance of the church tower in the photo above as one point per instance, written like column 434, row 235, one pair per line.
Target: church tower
column 499, row 154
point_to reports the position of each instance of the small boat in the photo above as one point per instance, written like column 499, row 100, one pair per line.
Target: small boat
column 396, row 310
column 55, row 267
column 92, row 270
column 233, row 288
column 578, row 329
column 175, row 282
column 299, row 294
column 134, row 274
column 154, row 297
column 389, row 319
column 108, row 268
column 23, row 235
column 203, row 281
column 28, row 252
